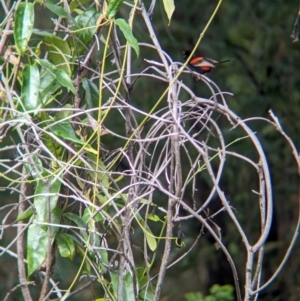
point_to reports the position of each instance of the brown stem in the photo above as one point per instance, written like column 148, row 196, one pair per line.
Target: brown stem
column 20, row 245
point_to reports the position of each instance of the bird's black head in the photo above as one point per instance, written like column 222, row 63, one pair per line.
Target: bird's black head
column 186, row 53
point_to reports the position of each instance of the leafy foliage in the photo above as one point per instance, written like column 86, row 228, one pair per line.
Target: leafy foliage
column 217, row 293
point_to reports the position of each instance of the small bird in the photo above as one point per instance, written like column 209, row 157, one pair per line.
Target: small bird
column 201, row 65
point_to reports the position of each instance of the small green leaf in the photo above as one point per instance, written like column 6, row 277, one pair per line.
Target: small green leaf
column 153, row 217
column 36, row 170
column 60, row 75
column 89, row 212
column 103, row 260
column 58, row 10
column 91, row 95
column 193, row 296
column 25, row 215
column 148, row 295
column 66, row 112
column 64, row 79
column 49, row 85
column 87, row 94
column 79, row 222
column 75, row 3
column 113, row 7
column 30, row 88
column 59, row 52
column 169, row 8
column 46, row 64
column 102, row 175
column 151, row 241
column 53, row 146
column 142, row 277
column 102, row 172
column 65, row 130
column 24, row 20
column 128, row 287
column 114, row 281
column 85, row 26
column 132, row 41
column 42, row 33
column 66, row 246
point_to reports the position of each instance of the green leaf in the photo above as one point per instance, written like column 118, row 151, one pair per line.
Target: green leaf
column 58, row 10
column 37, row 245
column 24, row 20
column 60, row 75
column 87, row 94
column 64, row 79
column 66, row 245
column 132, row 41
column 169, row 8
column 75, row 3
column 65, row 130
column 153, row 217
column 102, row 172
column 46, row 197
column 65, row 113
column 224, row 292
column 36, row 170
column 96, row 240
column 85, row 27
column 148, row 295
column 42, row 33
column 78, row 221
column 30, row 88
column 54, row 147
column 25, row 215
column 37, row 242
column 114, row 281
column 103, row 175
column 91, row 95
column 89, row 212
column 48, row 86
column 128, row 286
column 113, row 7
column 142, row 277
column 46, row 64
column 59, row 52
column 151, row 241
column 193, row 296
column 103, row 260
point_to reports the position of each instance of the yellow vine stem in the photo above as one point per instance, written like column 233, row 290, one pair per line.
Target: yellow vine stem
column 172, row 82
column 100, row 121
column 96, row 131
column 156, row 105
column 58, row 170
column 141, row 124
